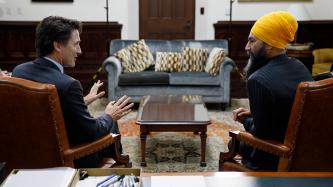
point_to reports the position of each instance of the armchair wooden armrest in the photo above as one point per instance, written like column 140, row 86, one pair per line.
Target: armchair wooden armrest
column 269, row 146
column 229, row 159
column 82, row 150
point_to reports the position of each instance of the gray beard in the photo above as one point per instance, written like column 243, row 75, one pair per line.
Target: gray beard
column 252, row 66
column 255, row 62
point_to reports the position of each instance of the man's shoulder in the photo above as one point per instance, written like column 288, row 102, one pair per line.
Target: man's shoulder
column 263, row 77
column 44, row 74
column 64, row 81
column 23, row 65
column 259, row 75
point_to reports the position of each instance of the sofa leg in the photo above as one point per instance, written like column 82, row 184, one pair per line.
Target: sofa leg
column 223, row 106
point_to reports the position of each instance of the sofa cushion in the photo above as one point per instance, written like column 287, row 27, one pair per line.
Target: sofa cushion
column 214, row 61
column 143, row 78
column 194, row 59
column 194, row 79
column 168, row 62
column 135, row 57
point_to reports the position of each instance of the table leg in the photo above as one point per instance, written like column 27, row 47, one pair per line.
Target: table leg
column 203, row 137
column 143, row 137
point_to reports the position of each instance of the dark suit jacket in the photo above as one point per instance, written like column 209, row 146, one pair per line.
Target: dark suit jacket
column 81, row 126
column 271, row 94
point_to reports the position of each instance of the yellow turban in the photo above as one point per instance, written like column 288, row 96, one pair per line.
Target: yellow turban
column 276, row 29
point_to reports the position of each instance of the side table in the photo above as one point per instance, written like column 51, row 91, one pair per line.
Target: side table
column 305, row 56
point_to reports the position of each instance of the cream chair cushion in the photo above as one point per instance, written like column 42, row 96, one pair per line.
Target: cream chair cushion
column 323, row 60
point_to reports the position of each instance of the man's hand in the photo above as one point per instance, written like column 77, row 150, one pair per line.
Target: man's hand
column 240, row 114
column 120, row 108
column 93, row 94
column 4, row 74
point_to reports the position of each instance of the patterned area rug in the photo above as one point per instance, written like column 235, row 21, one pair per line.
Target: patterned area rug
column 177, row 151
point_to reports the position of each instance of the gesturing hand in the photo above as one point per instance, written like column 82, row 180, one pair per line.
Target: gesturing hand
column 93, row 94
column 240, row 113
column 120, row 108
column 3, row 73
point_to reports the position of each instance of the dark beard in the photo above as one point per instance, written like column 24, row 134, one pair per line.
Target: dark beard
column 255, row 62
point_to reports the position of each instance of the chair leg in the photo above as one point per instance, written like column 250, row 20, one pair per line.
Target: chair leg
column 229, row 156
column 223, row 106
column 220, row 164
column 119, row 157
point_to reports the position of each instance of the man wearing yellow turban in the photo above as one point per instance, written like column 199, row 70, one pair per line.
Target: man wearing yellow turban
column 272, row 79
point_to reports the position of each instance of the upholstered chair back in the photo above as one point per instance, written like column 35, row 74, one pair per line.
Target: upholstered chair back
column 310, row 130
column 32, row 132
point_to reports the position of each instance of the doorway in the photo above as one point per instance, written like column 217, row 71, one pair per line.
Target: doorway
column 166, row 19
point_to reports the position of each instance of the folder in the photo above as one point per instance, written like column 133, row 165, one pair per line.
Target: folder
column 63, row 176
column 51, row 177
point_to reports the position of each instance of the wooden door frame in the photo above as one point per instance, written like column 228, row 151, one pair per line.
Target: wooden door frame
column 193, row 12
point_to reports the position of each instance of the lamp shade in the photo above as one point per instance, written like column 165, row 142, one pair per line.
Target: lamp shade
column 299, row 11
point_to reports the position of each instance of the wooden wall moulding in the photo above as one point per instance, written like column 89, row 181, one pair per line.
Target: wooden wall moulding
column 17, row 45
column 317, row 32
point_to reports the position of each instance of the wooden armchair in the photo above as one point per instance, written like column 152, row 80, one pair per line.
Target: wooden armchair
column 33, row 133
column 309, row 134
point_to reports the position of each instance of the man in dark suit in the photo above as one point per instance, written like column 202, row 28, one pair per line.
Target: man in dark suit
column 58, row 46
column 272, row 80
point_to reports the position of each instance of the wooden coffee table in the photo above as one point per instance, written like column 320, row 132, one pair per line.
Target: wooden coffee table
column 172, row 113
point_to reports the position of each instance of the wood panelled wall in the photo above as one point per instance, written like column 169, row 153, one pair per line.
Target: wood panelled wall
column 318, row 32
column 17, row 45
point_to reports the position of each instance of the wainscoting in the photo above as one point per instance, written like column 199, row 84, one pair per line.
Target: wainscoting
column 17, row 45
column 318, row 32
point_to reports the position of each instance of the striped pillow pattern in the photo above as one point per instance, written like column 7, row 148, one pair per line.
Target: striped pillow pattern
column 214, row 61
column 135, row 57
column 168, row 62
column 194, row 59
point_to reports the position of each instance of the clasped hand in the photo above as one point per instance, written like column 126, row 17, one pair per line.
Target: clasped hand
column 120, row 108
column 240, row 114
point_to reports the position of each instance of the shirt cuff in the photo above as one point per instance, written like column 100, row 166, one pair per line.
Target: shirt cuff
column 248, row 122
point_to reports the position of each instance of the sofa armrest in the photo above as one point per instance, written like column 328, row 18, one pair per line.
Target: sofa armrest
column 226, row 67
column 113, row 66
column 227, row 64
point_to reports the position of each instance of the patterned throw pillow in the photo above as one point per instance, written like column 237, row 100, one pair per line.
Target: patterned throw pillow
column 167, row 61
column 214, row 61
column 194, row 59
column 135, row 57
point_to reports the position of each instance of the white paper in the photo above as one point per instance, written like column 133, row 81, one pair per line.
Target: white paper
column 50, row 177
column 177, row 181
column 91, row 181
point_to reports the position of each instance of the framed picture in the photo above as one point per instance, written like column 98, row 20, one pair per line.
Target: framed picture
column 52, row 0
column 273, row 0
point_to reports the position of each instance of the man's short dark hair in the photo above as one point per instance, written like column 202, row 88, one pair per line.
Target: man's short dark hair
column 54, row 28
